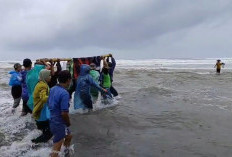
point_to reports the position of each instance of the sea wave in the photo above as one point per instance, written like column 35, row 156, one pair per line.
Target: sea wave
column 155, row 63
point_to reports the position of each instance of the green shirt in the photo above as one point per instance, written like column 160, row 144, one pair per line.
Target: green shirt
column 106, row 81
column 95, row 75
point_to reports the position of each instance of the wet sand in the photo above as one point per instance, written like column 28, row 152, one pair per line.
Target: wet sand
column 160, row 115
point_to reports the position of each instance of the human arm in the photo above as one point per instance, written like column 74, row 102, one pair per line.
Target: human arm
column 65, row 116
column 113, row 63
column 51, row 67
column 223, row 64
column 101, row 64
column 19, row 77
column 64, row 106
column 58, row 66
column 40, row 98
column 43, row 94
column 105, row 64
column 94, row 84
column 101, row 79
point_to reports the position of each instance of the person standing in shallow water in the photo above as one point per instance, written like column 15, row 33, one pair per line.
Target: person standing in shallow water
column 59, row 108
column 218, row 66
column 40, row 110
column 27, row 67
column 15, row 83
column 105, row 83
column 82, row 95
column 111, row 64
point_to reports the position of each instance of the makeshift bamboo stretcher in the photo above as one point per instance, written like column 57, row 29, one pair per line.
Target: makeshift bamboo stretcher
column 62, row 59
column 54, row 59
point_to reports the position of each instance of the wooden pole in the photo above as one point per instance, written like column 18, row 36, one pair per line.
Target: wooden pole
column 54, row 59
column 62, row 59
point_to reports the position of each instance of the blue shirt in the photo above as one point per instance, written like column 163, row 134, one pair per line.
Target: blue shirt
column 25, row 95
column 58, row 102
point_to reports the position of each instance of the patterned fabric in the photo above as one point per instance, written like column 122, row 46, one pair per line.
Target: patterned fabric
column 77, row 62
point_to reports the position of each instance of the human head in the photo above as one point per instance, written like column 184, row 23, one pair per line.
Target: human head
column 17, row 67
column 27, row 63
column 64, row 78
column 92, row 66
column 110, row 55
column 105, row 70
column 218, row 60
column 45, row 75
column 84, row 70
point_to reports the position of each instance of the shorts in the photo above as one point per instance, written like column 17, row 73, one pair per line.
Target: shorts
column 59, row 131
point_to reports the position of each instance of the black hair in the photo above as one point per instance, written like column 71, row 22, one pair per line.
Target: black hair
column 16, row 65
column 27, row 63
column 105, row 71
column 64, row 76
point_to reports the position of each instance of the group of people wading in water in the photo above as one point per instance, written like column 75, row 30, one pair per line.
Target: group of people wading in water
column 46, row 94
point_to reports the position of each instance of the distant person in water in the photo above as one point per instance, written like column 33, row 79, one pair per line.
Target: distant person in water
column 15, row 83
column 218, row 66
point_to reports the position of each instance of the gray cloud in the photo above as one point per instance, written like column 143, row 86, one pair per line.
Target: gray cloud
column 129, row 29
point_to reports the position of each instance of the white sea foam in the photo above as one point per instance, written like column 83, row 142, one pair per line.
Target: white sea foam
column 18, row 134
column 155, row 63
column 172, row 64
column 97, row 106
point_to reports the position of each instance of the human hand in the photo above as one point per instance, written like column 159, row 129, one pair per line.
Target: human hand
column 104, row 90
column 51, row 62
column 43, row 62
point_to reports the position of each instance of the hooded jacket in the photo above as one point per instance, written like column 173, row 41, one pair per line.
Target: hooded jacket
column 84, row 82
column 40, row 94
column 32, row 79
column 15, row 78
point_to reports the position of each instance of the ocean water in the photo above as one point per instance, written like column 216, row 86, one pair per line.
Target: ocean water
column 165, row 108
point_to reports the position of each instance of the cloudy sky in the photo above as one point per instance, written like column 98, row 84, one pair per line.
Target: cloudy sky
column 130, row 29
